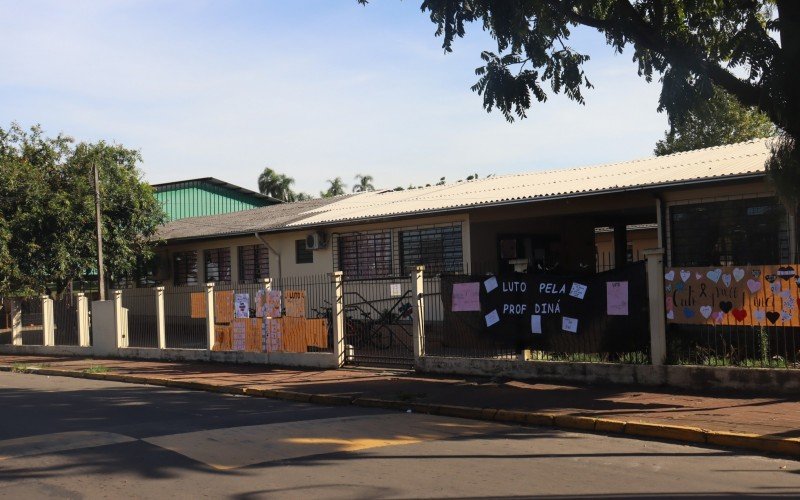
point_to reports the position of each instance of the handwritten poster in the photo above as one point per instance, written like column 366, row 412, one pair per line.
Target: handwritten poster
column 735, row 295
column 241, row 305
column 617, row 298
column 492, row 318
column 395, row 290
column 223, row 306
column 466, row 297
column 569, row 324
column 260, row 303
column 238, row 335
column 272, row 304
column 577, row 290
column 274, row 335
column 295, row 303
column 198, row 303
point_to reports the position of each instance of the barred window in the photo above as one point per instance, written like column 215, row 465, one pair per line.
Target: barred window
column 439, row 249
column 218, row 265
column 253, row 263
column 365, row 255
column 726, row 233
column 302, row 255
column 185, row 268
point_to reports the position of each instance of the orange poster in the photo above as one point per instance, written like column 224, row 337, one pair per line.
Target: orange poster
column 736, row 295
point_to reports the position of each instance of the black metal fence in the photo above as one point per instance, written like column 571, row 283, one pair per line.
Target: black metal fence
column 181, row 329
column 539, row 317
column 377, row 322
column 32, row 330
column 65, row 320
column 142, row 316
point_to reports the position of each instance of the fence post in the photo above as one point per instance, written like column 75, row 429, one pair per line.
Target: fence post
column 120, row 320
column 16, row 322
column 210, row 315
column 418, row 313
column 655, row 291
column 161, row 322
column 338, row 318
column 48, row 322
column 83, row 320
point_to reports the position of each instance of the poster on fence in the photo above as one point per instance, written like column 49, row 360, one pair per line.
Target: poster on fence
column 295, row 303
column 274, row 334
column 734, row 295
column 466, row 297
column 222, row 338
column 223, row 306
column 198, row 301
column 260, row 303
column 272, row 304
column 238, row 335
column 241, row 305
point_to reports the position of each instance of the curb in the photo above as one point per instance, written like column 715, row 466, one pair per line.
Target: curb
column 648, row 430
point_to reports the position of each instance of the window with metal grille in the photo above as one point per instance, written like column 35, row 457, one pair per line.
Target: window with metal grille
column 253, row 263
column 439, row 249
column 302, row 255
column 184, row 265
column 218, row 265
column 365, row 255
column 749, row 231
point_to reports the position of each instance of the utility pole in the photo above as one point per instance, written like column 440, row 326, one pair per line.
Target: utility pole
column 101, row 282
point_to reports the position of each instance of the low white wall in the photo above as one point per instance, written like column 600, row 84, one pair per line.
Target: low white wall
column 323, row 360
column 763, row 380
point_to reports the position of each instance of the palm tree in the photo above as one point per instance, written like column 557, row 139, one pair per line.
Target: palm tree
column 336, row 188
column 364, row 183
column 276, row 185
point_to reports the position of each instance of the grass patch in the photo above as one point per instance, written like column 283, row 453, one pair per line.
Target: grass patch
column 27, row 367
column 96, row 369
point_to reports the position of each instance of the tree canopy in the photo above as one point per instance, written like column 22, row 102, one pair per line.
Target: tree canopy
column 47, row 228
column 748, row 48
column 336, row 187
column 364, row 183
column 718, row 121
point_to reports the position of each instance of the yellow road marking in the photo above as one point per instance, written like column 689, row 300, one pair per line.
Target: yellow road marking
column 59, row 441
column 236, row 447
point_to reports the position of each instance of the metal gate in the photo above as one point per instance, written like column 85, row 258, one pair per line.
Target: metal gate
column 377, row 322
column 65, row 320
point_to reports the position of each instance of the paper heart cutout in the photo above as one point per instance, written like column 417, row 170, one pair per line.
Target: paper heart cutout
column 706, row 311
column 771, row 278
column 670, row 275
column 726, row 278
column 718, row 315
column 670, row 314
column 714, row 275
column 759, row 315
column 679, row 286
column 739, row 314
column 785, row 294
column 756, row 273
column 726, row 306
column 753, row 286
column 670, row 304
column 738, row 274
column 775, row 287
column 688, row 312
column 772, row 316
column 786, row 316
column 786, row 272
column 697, row 276
column 668, row 288
column 685, row 275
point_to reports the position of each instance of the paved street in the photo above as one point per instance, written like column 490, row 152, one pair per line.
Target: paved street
column 72, row 438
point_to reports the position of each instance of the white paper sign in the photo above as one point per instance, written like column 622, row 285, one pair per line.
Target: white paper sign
column 569, row 324
column 238, row 334
column 492, row 318
column 395, row 290
column 536, row 323
column 490, row 284
column 241, row 307
column 617, row 298
column 578, row 291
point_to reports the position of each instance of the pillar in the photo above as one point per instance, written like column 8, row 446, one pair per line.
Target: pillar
column 210, row 314
column 48, row 322
column 83, row 320
column 655, row 291
column 16, row 322
column 418, row 313
column 161, row 322
column 338, row 317
column 120, row 319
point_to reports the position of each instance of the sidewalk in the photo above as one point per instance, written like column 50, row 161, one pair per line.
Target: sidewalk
column 725, row 419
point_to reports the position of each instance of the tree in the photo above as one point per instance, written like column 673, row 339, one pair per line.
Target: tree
column 364, row 183
column 276, row 185
column 335, row 188
column 748, row 48
column 47, row 234
column 720, row 120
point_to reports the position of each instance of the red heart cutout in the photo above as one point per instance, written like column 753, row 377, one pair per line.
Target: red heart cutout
column 739, row 314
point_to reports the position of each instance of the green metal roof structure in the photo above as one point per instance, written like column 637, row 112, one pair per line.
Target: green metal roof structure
column 207, row 196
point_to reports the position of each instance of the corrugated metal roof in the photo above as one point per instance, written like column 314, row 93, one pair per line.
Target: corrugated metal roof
column 746, row 158
column 722, row 162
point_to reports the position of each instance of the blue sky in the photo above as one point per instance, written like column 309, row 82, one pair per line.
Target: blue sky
column 314, row 89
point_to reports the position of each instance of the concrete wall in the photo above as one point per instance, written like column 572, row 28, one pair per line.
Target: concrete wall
column 287, row 359
column 698, row 378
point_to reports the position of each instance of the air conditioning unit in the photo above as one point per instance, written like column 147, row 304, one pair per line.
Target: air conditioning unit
column 316, row 241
